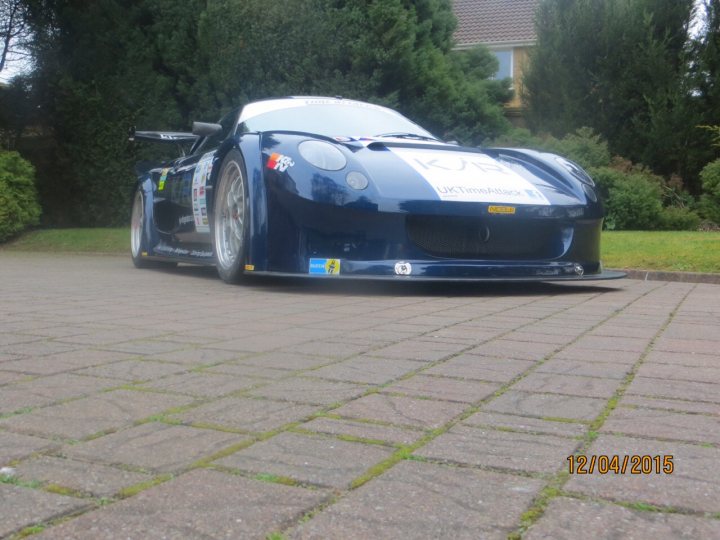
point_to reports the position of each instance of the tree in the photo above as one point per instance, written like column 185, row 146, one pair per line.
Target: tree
column 109, row 64
column 622, row 68
column 14, row 29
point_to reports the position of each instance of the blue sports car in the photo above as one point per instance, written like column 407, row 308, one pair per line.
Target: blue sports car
column 336, row 188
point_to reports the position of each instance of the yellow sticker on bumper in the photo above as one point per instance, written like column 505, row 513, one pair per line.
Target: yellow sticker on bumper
column 501, row 209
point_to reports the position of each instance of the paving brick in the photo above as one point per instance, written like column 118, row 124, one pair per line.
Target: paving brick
column 568, row 384
column 46, row 390
column 367, row 370
column 483, row 368
column 38, row 348
column 199, row 504
column 423, row 351
column 288, row 361
column 68, row 361
column 23, row 507
column 426, row 500
column 664, row 425
column 203, row 384
column 244, row 370
column 546, row 405
column 464, row 391
column 15, row 446
column 501, row 449
column 144, row 346
column 518, row 350
column 670, row 404
column 155, row 447
column 310, row 391
column 573, row 352
column 702, row 346
column 694, row 484
column 133, row 370
column 197, row 356
column 88, row 478
column 328, row 349
column 689, row 390
column 423, row 413
column 569, row 519
column 584, row 368
column 529, row 425
column 363, row 430
column 309, row 459
column 86, row 416
column 7, row 377
column 613, row 343
column 682, row 359
column 681, row 372
column 248, row 414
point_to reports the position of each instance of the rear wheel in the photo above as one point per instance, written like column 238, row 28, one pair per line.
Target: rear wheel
column 230, row 218
column 137, row 230
column 137, row 235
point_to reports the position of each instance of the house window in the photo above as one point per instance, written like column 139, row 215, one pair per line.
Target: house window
column 505, row 64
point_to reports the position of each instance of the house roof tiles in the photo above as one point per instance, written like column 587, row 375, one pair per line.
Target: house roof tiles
column 494, row 21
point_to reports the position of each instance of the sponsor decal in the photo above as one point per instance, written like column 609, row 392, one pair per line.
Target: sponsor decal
column 144, row 254
column 163, row 177
column 501, row 209
column 462, row 176
column 279, row 163
column 199, row 193
column 324, row 266
column 186, row 219
column 249, row 267
column 403, row 268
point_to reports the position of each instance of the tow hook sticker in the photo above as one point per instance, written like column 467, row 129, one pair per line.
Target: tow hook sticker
column 403, row 268
column 324, row 266
column 279, row 163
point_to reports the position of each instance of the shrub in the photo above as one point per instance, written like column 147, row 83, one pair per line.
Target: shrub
column 634, row 203
column 18, row 199
column 585, row 147
column 710, row 199
column 675, row 218
column 632, row 200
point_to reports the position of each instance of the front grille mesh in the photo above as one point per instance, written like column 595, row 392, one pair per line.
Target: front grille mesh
column 485, row 238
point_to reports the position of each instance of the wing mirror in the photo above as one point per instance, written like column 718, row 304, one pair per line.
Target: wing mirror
column 204, row 129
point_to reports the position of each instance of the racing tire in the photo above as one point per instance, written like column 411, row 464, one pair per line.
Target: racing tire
column 230, row 222
column 137, row 235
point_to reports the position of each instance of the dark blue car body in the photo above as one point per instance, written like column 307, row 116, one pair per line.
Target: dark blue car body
column 304, row 220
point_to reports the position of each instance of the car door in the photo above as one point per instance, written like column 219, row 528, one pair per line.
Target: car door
column 181, row 193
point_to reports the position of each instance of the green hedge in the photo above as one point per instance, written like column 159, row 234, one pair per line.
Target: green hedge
column 710, row 199
column 19, row 206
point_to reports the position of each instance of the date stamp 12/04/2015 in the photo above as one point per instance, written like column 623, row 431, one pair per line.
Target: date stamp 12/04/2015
column 616, row 464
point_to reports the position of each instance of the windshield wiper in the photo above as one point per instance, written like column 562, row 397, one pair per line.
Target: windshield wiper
column 403, row 135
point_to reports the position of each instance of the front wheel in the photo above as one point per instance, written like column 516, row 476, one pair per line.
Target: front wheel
column 231, row 218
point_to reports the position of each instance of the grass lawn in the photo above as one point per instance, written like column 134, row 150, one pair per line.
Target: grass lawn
column 73, row 240
column 673, row 251
column 679, row 251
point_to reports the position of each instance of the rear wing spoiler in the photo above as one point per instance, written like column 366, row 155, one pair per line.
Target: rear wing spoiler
column 175, row 137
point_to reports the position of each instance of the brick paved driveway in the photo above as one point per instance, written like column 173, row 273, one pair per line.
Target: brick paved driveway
column 149, row 404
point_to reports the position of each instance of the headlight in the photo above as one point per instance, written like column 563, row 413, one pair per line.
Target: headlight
column 575, row 170
column 322, row 155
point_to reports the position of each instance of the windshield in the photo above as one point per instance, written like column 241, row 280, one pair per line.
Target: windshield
column 332, row 118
